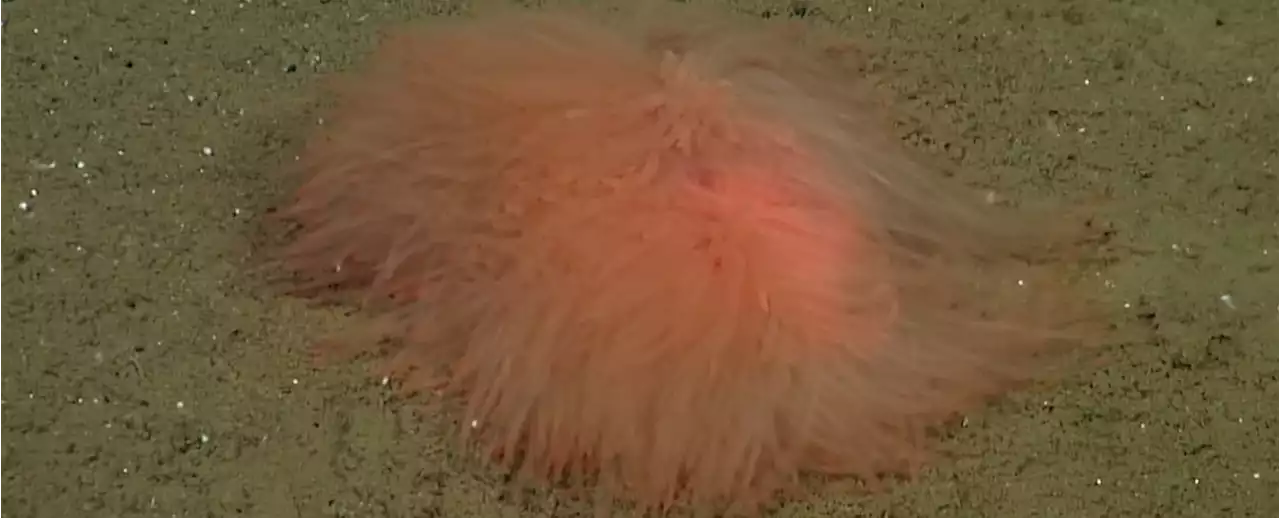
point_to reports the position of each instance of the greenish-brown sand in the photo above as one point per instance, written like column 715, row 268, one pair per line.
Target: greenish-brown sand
column 146, row 374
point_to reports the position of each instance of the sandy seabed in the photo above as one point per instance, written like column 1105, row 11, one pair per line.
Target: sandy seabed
column 145, row 374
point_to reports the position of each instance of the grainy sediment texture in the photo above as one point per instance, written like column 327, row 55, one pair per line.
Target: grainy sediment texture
column 146, row 375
